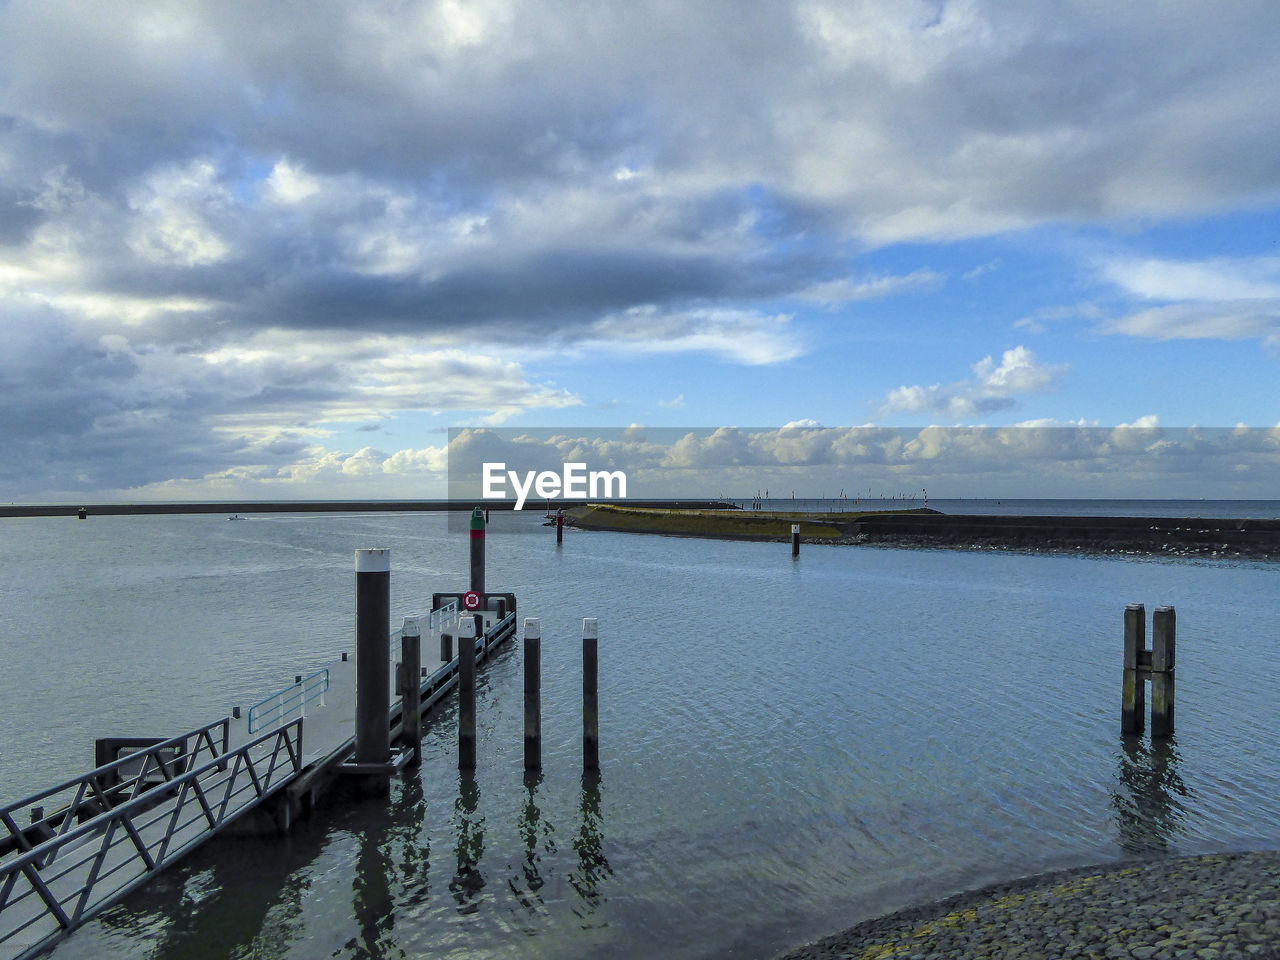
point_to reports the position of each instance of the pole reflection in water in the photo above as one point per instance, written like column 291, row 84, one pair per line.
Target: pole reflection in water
column 536, row 833
column 409, row 839
column 1149, row 797
column 593, row 866
column 468, row 882
column 372, row 902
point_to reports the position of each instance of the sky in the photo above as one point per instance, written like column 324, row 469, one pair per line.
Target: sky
column 278, row 250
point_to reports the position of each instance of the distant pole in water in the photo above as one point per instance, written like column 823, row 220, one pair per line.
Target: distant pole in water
column 590, row 697
column 466, row 693
column 532, row 694
column 795, row 540
column 477, row 551
column 560, row 527
column 373, row 651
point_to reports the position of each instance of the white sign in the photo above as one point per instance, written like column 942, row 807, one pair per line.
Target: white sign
column 574, row 482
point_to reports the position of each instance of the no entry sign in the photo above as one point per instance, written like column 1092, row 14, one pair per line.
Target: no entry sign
column 471, row 600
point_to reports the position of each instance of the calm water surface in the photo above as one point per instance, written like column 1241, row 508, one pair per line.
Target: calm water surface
column 786, row 747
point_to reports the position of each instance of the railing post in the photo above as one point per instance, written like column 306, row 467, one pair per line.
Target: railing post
column 1163, row 635
column 532, row 694
column 411, row 700
column 1133, row 697
column 590, row 698
column 373, row 651
column 467, row 693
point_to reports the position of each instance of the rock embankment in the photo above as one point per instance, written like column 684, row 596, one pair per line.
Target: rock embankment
column 1217, row 907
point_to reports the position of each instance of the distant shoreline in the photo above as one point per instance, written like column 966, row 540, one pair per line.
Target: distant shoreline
column 928, row 528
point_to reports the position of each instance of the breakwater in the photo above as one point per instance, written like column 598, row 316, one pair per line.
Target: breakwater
column 236, row 507
column 924, row 527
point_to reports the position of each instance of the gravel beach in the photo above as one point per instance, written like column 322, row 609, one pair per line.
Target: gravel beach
column 1214, row 907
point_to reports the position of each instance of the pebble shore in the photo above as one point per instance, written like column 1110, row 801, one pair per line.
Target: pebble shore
column 1216, row 907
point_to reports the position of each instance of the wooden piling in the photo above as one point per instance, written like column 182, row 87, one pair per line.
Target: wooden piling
column 411, row 697
column 1163, row 635
column 590, row 697
column 373, row 651
column 532, row 694
column 466, row 694
column 1132, row 704
column 446, row 647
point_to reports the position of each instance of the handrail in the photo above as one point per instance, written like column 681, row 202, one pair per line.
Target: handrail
column 443, row 617
column 142, row 754
column 68, row 878
column 283, row 702
column 94, row 793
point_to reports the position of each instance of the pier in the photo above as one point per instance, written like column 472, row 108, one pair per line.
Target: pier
column 71, row 850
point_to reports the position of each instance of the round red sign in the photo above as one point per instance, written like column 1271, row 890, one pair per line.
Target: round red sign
column 471, row 600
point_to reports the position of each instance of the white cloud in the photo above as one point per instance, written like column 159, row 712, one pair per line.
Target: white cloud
column 738, row 336
column 174, row 206
column 1218, row 280
column 833, row 292
column 1038, row 459
column 1220, row 298
column 993, row 387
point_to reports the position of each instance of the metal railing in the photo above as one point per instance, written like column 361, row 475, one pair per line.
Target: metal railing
column 93, row 793
column 445, row 617
column 52, row 887
column 296, row 696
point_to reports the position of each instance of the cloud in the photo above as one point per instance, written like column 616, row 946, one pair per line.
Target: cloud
column 1219, row 298
column 233, row 195
column 1040, row 459
column 993, row 387
column 740, row 336
column 832, row 292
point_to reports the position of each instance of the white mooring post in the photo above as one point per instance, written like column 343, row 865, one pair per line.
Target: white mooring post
column 373, row 651
column 411, row 686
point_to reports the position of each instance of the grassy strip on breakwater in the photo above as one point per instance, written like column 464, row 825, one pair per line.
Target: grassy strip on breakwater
column 720, row 524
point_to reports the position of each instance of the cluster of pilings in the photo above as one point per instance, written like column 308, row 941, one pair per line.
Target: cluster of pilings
column 1141, row 665
column 373, row 756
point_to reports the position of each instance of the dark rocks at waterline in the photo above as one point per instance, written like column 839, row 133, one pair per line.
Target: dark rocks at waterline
column 1212, row 907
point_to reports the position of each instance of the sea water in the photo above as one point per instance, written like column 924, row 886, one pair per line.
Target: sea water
column 786, row 746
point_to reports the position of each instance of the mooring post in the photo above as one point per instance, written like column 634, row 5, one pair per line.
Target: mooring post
column 446, row 647
column 373, row 651
column 477, row 551
column 411, row 695
column 532, row 694
column 795, row 540
column 559, row 527
column 1133, row 699
column 590, row 697
column 466, row 694
column 1163, row 631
